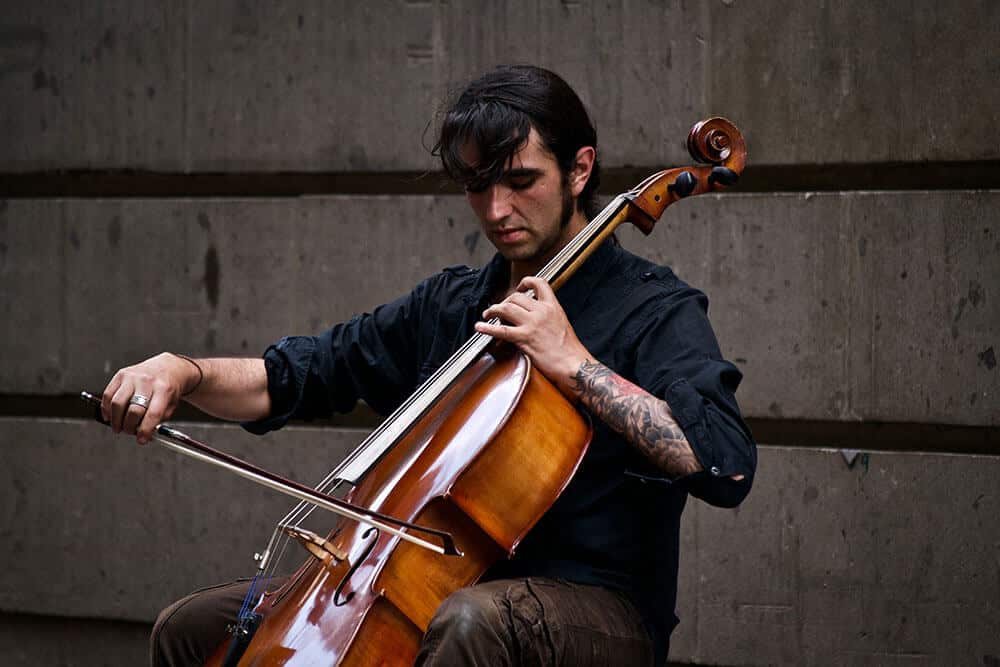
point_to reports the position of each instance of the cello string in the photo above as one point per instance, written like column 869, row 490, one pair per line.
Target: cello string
column 303, row 510
column 272, row 566
column 279, row 541
column 249, row 596
column 552, row 267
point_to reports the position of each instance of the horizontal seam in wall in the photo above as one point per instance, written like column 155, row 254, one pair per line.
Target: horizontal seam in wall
column 813, row 434
column 974, row 175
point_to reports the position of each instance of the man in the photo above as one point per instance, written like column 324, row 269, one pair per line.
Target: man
column 595, row 581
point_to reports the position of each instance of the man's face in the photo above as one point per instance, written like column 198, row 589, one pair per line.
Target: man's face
column 528, row 214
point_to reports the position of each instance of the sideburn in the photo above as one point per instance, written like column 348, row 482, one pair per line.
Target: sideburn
column 568, row 205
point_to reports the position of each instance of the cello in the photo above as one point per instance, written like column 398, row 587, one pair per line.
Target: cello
column 471, row 461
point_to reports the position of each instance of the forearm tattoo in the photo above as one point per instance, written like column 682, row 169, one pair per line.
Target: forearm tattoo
column 643, row 419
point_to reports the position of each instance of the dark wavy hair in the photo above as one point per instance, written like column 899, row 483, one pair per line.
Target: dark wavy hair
column 497, row 111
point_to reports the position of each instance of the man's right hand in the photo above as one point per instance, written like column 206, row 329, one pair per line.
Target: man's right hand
column 141, row 396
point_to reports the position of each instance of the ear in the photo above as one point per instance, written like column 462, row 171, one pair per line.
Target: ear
column 580, row 173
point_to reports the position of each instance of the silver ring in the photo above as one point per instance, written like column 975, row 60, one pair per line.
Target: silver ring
column 140, row 400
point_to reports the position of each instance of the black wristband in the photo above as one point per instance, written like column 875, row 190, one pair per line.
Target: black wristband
column 201, row 373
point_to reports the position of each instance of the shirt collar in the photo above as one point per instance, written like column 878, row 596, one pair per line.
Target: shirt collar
column 492, row 278
column 572, row 295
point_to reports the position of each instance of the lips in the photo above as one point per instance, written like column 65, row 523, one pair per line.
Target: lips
column 509, row 235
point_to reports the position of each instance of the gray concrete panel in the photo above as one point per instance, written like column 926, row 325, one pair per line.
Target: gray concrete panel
column 119, row 280
column 30, row 641
column 332, row 86
column 33, row 299
column 863, row 306
column 857, row 81
column 99, row 527
column 850, row 306
column 92, row 85
column 351, row 86
column 894, row 559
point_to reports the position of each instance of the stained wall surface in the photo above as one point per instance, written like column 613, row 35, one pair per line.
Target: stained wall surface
column 862, row 315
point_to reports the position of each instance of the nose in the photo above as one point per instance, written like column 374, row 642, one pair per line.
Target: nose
column 496, row 203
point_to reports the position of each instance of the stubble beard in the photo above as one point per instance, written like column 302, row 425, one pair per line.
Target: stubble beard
column 568, row 205
column 567, row 209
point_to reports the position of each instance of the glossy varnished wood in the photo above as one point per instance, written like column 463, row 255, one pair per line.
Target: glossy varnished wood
column 439, row 475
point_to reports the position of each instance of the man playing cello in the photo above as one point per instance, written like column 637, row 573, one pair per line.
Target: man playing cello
column 595, row 581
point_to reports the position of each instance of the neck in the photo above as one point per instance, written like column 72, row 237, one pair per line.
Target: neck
column 520, row 269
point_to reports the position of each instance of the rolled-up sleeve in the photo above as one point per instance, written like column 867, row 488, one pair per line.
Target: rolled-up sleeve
column 372, row 357
column 678, row 359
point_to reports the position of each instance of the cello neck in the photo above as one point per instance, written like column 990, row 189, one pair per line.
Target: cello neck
column 575, row 253
column 714, row 142
column 557, row 271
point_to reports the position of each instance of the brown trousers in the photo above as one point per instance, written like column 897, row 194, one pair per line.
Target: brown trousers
column 533, row 621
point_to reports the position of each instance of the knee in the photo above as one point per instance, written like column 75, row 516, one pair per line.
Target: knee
column 464, row 615
column 162, row 637
column 191, row 629
column 185, row 633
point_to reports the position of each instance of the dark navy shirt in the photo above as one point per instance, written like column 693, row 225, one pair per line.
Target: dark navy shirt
column 617, row 523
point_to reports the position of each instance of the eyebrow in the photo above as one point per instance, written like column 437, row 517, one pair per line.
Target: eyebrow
column 522, row 172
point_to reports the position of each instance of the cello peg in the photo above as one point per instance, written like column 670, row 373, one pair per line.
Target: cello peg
column 722, row 176
column 684, row 184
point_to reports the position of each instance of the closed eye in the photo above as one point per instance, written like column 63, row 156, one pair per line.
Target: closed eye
column 521, row 183
column 521, row 179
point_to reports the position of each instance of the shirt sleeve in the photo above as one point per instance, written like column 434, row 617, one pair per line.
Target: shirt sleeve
column 372, row 357
column 678, row 359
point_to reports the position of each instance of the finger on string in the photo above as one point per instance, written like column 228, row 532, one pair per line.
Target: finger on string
column 109, row 394
column 119, row 404
column 543, row 291
column 509, row 305
column 510, row 313
column 522, row 300
column 499, row 331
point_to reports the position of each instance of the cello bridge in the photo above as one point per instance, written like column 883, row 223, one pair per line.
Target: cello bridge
column 319, row 547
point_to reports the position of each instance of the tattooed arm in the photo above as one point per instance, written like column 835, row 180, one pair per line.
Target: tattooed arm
column 644, row 420
column 538, row 326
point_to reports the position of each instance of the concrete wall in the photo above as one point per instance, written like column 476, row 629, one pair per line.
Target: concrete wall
column 344, row 86
column 847, row 308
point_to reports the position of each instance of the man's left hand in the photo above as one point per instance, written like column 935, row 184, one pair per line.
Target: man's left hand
column 538, row 326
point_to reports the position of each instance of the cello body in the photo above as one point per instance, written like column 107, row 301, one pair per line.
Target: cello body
column 484, row 463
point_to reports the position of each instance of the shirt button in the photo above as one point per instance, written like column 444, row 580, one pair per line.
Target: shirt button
column 715, row 470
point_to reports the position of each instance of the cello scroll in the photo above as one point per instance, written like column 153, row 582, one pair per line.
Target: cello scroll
column 713, row 141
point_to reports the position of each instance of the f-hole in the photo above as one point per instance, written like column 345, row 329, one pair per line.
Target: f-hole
column 337, row 601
